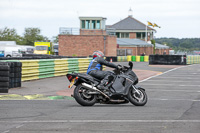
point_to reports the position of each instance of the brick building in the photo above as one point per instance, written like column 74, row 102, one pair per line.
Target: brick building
column 92, row 37
column 85, row 45
column 133, row 47
column 132, row 28
column 95, row 35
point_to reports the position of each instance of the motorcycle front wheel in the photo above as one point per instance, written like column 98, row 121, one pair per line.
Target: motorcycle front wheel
column 138, row 98
column 82, row 97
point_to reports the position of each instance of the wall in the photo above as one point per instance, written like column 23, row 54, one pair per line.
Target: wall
column 132, row 35
column 111, row 46
column 146, row 50
column 92, row 32
column 85, row 45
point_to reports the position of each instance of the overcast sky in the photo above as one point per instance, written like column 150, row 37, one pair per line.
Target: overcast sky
column 177, row 18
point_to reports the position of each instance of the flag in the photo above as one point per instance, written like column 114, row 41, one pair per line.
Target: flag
column 149, row 23
column 155, row 25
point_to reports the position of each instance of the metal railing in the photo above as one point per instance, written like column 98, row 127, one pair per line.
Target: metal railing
column 69, row 31
column 77, row 31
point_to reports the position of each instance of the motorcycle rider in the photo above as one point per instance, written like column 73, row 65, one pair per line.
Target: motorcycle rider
column 95, row 69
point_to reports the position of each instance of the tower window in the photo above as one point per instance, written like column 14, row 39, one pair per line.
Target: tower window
column 98, row 24
column 83, row 24
column 87, row 23
column 93, row 24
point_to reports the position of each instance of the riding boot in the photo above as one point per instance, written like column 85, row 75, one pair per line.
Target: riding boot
column 106, row 82
column 103, row 84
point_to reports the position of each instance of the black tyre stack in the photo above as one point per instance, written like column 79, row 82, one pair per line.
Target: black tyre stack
column 17, row 74
column 5, row 76
column 10, row 75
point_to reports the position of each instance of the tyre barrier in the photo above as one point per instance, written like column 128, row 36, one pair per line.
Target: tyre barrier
column 193, row 59
column 10, row 75
column 133, row 58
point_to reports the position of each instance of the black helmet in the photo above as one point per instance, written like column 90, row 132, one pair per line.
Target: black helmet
column 97, row 54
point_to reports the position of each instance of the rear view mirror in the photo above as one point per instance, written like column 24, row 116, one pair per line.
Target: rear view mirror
column 130, row 64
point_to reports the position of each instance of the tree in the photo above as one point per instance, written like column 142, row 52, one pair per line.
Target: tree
column 184, row 44
column 33, row 34
column 55, row 39
column 154, row 46
column 7, row 34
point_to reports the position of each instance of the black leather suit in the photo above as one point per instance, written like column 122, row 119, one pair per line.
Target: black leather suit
column 95, row 68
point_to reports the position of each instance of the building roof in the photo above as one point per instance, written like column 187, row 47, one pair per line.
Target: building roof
column 130, row 23
column 132, row 42
column 161, row 46
column 138, row 42
column 90, row 17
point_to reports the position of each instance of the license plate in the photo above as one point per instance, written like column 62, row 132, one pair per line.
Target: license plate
column 72, row 83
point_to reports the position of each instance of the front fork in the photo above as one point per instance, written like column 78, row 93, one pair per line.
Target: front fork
column 136, row 89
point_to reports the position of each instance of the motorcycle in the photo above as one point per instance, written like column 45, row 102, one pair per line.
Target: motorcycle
column 121, row 88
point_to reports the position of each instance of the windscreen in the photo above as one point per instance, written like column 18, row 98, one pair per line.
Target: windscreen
column 41, row 48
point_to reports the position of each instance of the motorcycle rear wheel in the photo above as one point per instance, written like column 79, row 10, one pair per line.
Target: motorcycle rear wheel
column 137, row 99
column 81, row 96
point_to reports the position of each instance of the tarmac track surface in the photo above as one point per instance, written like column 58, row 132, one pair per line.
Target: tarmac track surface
column 173, row 107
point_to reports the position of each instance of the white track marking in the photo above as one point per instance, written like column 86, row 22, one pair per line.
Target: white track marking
column 162, row 73
column 173, row 85
column 106, row 121
column 164, row 99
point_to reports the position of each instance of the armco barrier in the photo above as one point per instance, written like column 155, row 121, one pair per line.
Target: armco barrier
column 60, row 67
column 30, row 69
column 45, row 68
column 193, row 59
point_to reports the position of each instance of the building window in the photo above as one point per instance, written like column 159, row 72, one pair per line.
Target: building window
column 124, row 35
column 90, row 24
column 121, row 52
column 117, row 34
column 93, row 24
column 129, row 51
column 98, row 24
column 124, row 52
column 83, row 24
column 140, row 35
column 87, row 24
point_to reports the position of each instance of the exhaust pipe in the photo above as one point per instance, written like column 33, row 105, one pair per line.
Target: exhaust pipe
column 94, row 89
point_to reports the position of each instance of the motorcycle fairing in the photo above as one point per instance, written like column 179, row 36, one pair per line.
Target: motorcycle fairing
column 122, row 84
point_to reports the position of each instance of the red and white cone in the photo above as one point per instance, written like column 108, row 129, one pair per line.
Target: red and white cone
column 110, row 59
